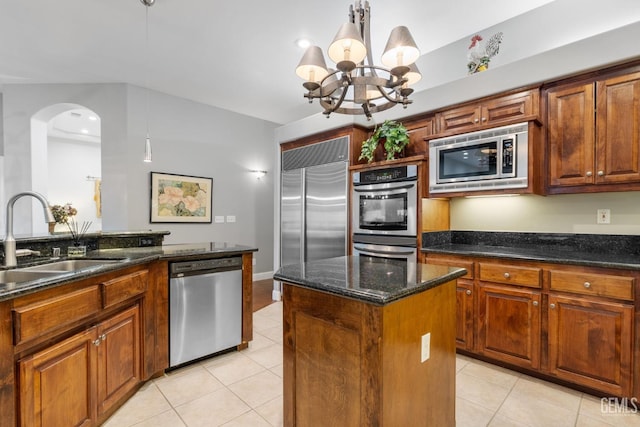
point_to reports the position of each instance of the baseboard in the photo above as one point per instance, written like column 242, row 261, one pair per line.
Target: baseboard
column 263, row 276
column 276, row 295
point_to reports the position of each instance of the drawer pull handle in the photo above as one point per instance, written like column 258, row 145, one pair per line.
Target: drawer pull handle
column 96, row 342
column 468, row 292
column 476, row 120
column 600, row 173
column 589, row 173
column 587, row 285
column 552, row 306
column 103, row 337
column 507, row 275
column 535, row 303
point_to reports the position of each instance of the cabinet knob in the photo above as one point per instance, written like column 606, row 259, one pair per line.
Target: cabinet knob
column 535, row 303
column 507, row 275
column 103, row 337
column 475, row 120
column 96, row 342
column 589, row 173
column 600, row 173
column 468, row 292
column 587, row 285
column 484, row 119
column 552, row 306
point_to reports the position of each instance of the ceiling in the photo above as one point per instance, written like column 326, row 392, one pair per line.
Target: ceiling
column 236, row 55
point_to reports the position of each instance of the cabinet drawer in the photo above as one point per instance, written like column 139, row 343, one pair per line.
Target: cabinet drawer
column 512, row 275
column 467, row 265
column 124, row 287
column 602, row 285
column 38, row 318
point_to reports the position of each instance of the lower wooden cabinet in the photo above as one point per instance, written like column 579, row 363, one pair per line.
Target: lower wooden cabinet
column 464, row 314
column 509, row 324
column 590, row 343
column 575, row 324
column 74, row 381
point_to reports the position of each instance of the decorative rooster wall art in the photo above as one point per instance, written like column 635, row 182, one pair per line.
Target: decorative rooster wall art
column 481, row 52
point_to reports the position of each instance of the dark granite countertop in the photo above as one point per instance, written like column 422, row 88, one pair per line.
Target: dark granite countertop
column 127, row 257
column 372, row 280
column 592, row 250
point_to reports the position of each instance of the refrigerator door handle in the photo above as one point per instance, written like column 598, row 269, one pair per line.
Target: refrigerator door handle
column 303, row 213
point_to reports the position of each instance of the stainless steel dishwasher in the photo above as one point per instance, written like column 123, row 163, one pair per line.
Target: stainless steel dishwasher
column 205, row 308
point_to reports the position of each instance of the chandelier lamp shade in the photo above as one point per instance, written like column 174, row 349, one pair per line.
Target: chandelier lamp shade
column 357, row 86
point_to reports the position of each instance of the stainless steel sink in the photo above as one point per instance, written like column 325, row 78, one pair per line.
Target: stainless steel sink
column 19, row 276
column 70, row 265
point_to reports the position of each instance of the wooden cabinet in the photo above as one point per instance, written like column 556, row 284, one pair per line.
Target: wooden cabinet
column 509, row 324
column 57, row 385
column 590, row 343
column 504, row 110
column 77, row 380
column 593, row 137
column 350, row 363
column 571, row 323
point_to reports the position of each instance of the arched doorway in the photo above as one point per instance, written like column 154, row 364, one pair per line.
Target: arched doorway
column 65, row 150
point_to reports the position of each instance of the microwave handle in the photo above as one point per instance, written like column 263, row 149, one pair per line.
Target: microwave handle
column 399, row 187
column 378, row 252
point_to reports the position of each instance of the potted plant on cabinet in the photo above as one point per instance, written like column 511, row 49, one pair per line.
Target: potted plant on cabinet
column 395, row 136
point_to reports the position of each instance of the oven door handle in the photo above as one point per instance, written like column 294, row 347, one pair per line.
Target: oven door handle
column 369, row 190
column 378, row 252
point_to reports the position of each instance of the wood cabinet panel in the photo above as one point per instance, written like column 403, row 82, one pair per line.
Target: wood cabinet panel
column 119, row 361
column 509, row 324
column 464, row 314
column 57, row 385
column 618, row 133
column 590, row 343
column 603, row 285
column 511, row 274
column 571, row 137
column 123, row 288
column 54, row 313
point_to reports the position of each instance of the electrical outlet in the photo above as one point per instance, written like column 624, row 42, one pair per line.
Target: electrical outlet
column 219, row 219
column 604, row 216
column 426, row 347
column 231, row 218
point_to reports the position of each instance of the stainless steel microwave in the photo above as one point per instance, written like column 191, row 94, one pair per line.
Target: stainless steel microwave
column 490, row 159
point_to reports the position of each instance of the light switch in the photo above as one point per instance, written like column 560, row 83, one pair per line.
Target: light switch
column 231, row 218
column 219, row 219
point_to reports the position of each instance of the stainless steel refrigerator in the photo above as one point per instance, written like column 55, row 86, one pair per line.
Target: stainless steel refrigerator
column 313, row 206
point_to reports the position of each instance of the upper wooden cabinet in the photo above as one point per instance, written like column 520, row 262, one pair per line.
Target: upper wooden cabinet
column 593, row 137
column 503, row 110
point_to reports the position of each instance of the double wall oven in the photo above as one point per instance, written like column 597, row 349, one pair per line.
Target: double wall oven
column 384, row 214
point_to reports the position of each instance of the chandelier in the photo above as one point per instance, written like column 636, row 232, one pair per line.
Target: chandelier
column 357, row 86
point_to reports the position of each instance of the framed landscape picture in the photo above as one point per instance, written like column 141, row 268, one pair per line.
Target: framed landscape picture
column 181, row 198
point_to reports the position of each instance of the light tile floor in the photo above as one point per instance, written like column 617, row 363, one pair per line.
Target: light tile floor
column 245, row 389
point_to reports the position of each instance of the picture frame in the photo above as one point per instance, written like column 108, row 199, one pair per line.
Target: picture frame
column 180, row 198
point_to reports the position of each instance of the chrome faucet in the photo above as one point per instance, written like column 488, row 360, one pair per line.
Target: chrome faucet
column 10, row 259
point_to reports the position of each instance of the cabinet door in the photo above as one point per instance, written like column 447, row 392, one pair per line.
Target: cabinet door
column 462, row 119
column 118, row 357
column 509, row 324
column 464, row 314
column 57, row 385
column 508, row 109
column 571, row 136
column 618, row 115
column 590, row 343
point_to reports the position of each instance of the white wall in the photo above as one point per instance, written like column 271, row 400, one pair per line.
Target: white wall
column 188, row 138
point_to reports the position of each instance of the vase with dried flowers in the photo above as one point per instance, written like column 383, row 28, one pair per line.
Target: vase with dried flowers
column 77, row 234
column 62, row 214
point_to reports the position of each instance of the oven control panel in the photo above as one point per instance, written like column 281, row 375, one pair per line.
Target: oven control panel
column 395, row 174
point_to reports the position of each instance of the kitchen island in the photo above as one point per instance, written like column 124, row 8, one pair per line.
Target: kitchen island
column 369, row 342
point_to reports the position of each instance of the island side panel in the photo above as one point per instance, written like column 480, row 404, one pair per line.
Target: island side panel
column 247, row 299
column 330, row 363
column 7, row 375
column 420, row 393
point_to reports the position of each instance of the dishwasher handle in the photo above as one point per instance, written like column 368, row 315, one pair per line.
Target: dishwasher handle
column 204, row 266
